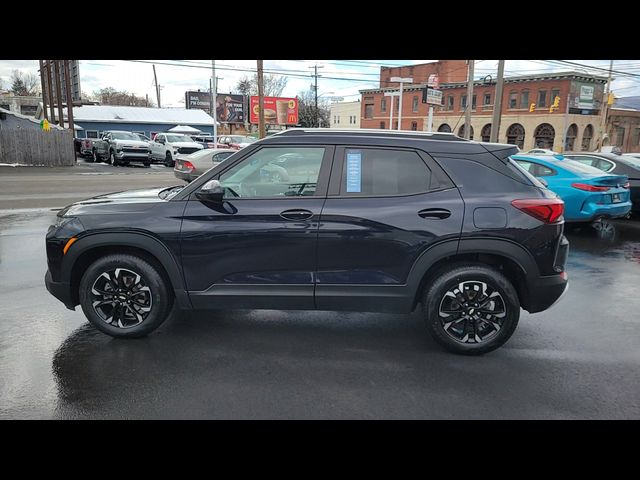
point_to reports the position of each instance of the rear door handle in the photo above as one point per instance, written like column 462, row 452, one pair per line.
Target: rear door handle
column 296, row 214
column 437, row 213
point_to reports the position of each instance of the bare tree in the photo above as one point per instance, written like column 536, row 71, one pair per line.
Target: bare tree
column 273, row 85
column 111, row 96
column 25, row 85
column 308, row 116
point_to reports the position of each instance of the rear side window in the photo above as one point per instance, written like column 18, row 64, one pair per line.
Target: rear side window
column 536, row 169
column 368, row 172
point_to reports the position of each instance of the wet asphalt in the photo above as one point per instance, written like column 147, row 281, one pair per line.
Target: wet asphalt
column 578, row 360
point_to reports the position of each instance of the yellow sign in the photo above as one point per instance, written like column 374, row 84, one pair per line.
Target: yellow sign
column 44, row 125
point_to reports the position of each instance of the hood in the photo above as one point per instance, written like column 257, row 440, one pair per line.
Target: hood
column 186, row 144
column 130, row 200
column 131, row 143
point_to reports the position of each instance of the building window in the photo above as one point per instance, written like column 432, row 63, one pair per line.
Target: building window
column 334, row 119
column 620, row 136
column 449, row 104
column 570, row 141
column 463, row 102
column 587, row 135
column 414, row 126
column 461, row 132
column 542, row 99
column 513, row 99
column 485, row 133
column 524, row 99
column 414, row 105
column 515, row 135
column 473, row 102
column 444, row 128
column 486, row 102
column 382, row 127
column 338, row 119
column 544, row 136
column 636, row 137
column 368, row 110
column 92, row 134
column 383, row 105
column 555, row 92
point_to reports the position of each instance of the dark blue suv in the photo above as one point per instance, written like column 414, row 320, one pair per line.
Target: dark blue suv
column 360, row 220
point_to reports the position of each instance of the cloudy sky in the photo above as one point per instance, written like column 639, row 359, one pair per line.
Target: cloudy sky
column 339, row 78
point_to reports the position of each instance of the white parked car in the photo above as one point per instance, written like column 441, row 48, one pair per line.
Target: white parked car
column 165, row 147
column 189, row 167
column 539, row 151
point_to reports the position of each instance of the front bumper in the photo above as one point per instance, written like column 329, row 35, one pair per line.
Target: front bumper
column 134, row 156
column 60, row 290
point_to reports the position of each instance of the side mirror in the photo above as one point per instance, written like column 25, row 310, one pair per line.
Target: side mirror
column 211, row 191
column 543, row 181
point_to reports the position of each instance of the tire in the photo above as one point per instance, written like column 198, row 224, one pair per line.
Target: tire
column 451, row 334
column 147, row 164
column 168, row 160
column 153, row 293
column 94, row 156
column 112, row 159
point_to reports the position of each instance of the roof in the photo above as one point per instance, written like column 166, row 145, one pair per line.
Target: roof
column 119, row 114
column 627, row 103
column 184, row 129
column 516, row 79
column 27, row 117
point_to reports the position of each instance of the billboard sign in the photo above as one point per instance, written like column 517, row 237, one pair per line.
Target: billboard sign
column 230, row 108
column 434, row 96
column 277, row 110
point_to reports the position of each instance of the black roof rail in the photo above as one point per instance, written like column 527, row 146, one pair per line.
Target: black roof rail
column 372, row 132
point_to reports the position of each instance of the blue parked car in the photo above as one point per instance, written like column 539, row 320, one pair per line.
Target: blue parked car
column 588, row 193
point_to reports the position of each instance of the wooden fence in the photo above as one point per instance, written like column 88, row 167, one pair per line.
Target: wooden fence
column 37, row 147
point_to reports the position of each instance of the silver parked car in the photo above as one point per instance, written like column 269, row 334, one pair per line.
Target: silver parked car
column 189, row 167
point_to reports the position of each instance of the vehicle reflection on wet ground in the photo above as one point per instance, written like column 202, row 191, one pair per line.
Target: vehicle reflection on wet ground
column 577, row 360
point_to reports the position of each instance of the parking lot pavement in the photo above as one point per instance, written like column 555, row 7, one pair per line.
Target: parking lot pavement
column 50, row 187
column 579, row 359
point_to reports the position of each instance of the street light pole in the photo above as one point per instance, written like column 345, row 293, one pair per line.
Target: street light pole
column 402, row 81
column 391, row 94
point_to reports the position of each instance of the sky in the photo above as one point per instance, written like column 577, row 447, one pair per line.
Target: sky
column 339, row 79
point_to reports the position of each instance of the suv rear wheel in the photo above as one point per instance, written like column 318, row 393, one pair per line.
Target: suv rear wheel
column 124, row 296
column 471, row 309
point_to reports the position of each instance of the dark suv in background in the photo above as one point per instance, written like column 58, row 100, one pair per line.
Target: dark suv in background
column 363, row 220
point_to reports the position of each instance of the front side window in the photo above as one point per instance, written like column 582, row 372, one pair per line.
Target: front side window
column 274, row 172
column 369, row 172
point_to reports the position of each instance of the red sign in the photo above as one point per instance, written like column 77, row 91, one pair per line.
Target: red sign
column 433, row 81
column 277, row 110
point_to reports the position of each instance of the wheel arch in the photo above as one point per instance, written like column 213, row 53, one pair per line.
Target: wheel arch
column 91, row 247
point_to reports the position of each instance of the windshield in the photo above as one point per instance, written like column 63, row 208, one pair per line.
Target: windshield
column 178, row 138
column 124, row 136
column 579, row 168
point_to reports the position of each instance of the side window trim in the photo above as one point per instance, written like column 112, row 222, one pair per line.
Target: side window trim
column 335, row 182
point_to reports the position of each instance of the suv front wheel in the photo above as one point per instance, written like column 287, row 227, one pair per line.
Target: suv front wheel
column 471, row 309
column 124, row 296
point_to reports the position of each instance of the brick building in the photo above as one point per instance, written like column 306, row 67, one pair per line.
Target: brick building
column 576, row 119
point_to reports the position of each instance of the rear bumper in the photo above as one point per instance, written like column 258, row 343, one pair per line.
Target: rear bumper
column 187, row 177
column 546, row 292
column 592, row 211
column 60, row 290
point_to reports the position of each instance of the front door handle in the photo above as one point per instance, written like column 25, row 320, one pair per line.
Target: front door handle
column 296, row 214
column 437, row 213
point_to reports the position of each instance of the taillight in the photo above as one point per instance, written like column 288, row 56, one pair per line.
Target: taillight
column 188, row 166
column 547, row 210
column 589, row 188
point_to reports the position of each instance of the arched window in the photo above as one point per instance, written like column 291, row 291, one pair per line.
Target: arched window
column 572, row 133
column 515, row 135
column 444, row 128
column 461, row 131
column 586, row 138
column 485, row 134
column 544, row 136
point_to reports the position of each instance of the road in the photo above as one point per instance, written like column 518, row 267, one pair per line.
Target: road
column 578, row 360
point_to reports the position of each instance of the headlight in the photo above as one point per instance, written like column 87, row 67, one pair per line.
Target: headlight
column 66, row 227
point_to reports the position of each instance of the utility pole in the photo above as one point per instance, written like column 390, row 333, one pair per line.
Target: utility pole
column 155, row 80
column 44, row 90
column 67, row 81
column 402, row 81
column 147, row 100
column 605, row 109
column 391, row 95
column 214, row 90
column 467, row 113
column 315, row 88
column 497, row 104
column 51, row 93
column 261, row 129
column 56, row 64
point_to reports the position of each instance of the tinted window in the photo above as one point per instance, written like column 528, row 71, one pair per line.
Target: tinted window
column 579, row 168
column 383, row 172
column 274, row 172
column 536, row 169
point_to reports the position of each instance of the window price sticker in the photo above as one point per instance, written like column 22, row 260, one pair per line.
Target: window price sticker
column 354, row 171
